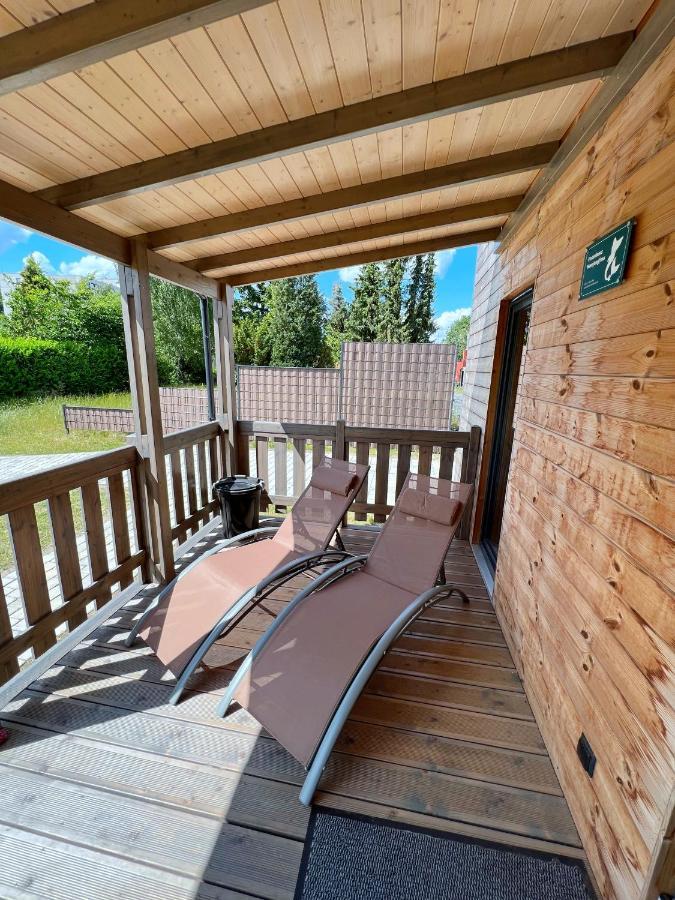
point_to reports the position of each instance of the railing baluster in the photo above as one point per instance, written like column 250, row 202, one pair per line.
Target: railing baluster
column 362, row 458
column 203, row 476
column 402, row 466
column 191, row 482
column 177, row 483
column 424, row 464
column 10, row 667
column 263, row 465
column 243, row 454
column 214, row 468
column 445, row 465
column 31, row 571
column 120, row 523
column 318, row 451
column 280, row 468
column 67, row 557
column 381, row 479
column 93, row 521
column 298, row 466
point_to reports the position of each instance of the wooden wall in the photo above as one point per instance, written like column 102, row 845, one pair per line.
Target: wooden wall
column 586, row 568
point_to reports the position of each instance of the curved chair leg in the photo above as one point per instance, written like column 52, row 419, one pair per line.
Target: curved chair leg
column 361, row 678
column 253, row 596
column 335, row 571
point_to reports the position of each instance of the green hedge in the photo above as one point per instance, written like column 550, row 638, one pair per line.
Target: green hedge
column 30, row 367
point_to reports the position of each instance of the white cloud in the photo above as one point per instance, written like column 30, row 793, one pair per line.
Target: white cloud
column 349, row 273
column 445, row 320
column 443, row 261
column 42, row 260
column 11, row 234
column 98, row 267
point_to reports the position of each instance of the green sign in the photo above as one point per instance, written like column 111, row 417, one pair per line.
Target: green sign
column 605, row 261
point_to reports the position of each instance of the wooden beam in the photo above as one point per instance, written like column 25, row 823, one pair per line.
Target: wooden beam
column 467, row 213
column 100, row 30
column 32, row 212
column 29, row 210
column 569, row 65
column 650, row 42
column 356, row 259
column 465, row 172
column 144, row 384
column 180, row 274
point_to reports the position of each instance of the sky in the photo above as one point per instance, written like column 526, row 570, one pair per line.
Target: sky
column 454, row 270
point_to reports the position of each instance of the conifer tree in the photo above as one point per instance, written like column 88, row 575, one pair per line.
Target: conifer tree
column 364, row 312
column 336, row 326
column 297, row 317
column 389, row 324
column 412, row 301
column 424, row 318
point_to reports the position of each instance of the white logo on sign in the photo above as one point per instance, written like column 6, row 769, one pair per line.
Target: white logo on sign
column 613, row 266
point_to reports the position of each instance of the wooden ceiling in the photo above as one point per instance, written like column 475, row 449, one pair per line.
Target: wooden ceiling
column 293, row 134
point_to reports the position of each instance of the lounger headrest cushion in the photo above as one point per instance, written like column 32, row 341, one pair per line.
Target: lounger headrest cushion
column 337, row 481
column 429, row 506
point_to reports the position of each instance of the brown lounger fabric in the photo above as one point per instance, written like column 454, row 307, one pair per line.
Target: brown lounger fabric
column 336, row 481
column 295, row 684
column 197, row 601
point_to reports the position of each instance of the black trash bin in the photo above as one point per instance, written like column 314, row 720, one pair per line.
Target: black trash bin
column 239, row 498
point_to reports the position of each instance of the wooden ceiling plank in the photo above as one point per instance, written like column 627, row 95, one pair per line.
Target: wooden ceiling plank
column 465, row 92
column 101, row 30
column 27, row 209
column 444, row 217
column 650, row 42
column 463, row 172
column 354, row 259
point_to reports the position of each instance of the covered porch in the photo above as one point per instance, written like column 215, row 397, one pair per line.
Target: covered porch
column 218, row 144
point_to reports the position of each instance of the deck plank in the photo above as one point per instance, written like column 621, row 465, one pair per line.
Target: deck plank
column 443, row 737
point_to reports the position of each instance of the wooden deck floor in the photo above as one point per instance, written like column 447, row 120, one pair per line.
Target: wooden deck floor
column 109, row 792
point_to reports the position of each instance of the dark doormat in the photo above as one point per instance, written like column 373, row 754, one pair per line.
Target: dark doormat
column 357, row 858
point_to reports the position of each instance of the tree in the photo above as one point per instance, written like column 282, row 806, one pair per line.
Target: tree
column 458, row 334
column 178, row 333
column 336, row 326
column 424, row 316
column 364, row 313
column 297, row 310
column 251, row 301
column 55, row 309
column 412, row 299
column 389, row 326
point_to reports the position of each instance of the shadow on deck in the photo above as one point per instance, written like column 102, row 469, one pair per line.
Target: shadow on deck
column 105, row 784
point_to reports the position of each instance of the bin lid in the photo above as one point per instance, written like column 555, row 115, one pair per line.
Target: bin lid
column 238, row 484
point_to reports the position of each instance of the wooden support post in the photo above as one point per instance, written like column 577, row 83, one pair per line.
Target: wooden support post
column 226, row 405
column 469, row 470
column 153, row 494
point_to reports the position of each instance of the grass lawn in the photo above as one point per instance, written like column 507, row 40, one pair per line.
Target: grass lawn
column 36, row 426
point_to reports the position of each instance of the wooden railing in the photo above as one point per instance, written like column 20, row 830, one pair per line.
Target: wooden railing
column 195, row 459
column 74, row 533
column 283, row 454
column 80, row 533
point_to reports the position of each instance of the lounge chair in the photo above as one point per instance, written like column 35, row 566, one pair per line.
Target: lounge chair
column 305, row 673
column 216, row 591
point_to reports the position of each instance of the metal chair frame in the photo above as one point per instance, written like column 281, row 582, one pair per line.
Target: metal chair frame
column 362, row 675
column 243, row 605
